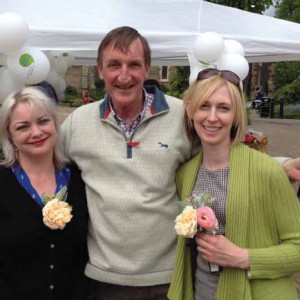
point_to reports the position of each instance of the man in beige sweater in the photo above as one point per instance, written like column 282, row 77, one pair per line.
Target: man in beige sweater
column 128, row 147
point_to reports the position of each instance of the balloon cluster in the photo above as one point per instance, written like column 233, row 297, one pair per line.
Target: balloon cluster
column 23, row 65
column 210, row 50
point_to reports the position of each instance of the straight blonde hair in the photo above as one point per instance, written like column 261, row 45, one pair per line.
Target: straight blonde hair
column 199, row 92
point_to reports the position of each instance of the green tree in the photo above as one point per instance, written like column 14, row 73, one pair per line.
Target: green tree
column 179, row 81
column 288, row 10
column 247, row 5
column 287, row 73
column 289, row 93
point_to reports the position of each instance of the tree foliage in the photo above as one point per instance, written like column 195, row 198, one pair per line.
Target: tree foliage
column 179, row 82
column 289, row 93
column 288, row 10
column 247, row 5
column 286, row 72
column 287, row 82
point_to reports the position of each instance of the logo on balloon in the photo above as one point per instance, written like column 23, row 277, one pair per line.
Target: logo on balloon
column 29, row 65
column 26, row 60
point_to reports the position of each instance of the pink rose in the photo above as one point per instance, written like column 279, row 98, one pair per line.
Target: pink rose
column 206, row 218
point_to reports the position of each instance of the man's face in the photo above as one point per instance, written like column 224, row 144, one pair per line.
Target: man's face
column 124, row 74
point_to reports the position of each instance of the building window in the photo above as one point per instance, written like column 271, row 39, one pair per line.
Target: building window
column 164, row 72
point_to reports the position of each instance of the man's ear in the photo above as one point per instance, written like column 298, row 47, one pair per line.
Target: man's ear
column 148, row 68
column 100, row 71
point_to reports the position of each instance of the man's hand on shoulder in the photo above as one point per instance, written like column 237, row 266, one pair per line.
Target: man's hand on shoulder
column 292, row 168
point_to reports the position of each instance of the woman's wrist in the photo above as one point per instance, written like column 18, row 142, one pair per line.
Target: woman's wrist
column 242, row 260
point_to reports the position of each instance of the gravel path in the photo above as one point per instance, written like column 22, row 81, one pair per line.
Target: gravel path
column 64, row 111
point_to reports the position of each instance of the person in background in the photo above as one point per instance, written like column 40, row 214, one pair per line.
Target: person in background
column 152, row 82
column 128, row 147
column 257, row 244
column 43, row 248
column 258, row 98
column 86, row 98
column 48, row 89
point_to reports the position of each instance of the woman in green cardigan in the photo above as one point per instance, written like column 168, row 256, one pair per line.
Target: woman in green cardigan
column 257, row 245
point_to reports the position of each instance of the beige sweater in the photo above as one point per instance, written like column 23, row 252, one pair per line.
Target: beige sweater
column 132, row 201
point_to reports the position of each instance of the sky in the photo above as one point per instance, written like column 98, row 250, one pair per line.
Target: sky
column 270, row 11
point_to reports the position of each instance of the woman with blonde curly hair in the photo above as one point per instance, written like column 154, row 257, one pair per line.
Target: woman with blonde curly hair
column 43, row 241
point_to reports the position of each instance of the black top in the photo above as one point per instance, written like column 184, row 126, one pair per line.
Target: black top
column 259, row 95
column 37, row 263
column 48, row 89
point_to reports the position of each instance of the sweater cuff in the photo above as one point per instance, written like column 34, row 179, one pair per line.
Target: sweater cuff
column 281, row 160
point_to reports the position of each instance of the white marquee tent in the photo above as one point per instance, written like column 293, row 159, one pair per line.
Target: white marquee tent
column 171, row 27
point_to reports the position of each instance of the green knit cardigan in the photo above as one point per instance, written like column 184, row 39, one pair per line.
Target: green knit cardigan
column 262, row 215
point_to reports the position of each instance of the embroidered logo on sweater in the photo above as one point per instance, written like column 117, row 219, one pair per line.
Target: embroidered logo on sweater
column 164, row 146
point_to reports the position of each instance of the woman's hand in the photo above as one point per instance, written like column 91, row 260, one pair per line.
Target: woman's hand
column 217, row 249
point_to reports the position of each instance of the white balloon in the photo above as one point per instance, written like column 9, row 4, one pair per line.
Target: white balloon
column 29, row 65
column 68, row 57
column 60, row 66
column 233, row 46
column 14, row 33
column 241, row 85
column 61, row 89
column 61, row 86
column 54, row 79
column 50, row 57
column 193, row 75
column 8, row 83
column 235, row 63
column 195, row 67
column 61, row 96
column 208, row 47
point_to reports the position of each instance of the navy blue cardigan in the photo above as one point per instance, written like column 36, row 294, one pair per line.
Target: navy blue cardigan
column 36, row 262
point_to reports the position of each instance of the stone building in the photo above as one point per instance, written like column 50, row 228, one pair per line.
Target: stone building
column 81, row 77
column 84, row 77
column 260, row 74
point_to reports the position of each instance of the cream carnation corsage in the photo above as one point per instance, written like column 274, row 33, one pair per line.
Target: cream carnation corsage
column 56, row 212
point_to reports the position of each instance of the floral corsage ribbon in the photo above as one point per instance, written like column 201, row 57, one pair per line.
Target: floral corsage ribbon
column 56, row 212
column 196, row 217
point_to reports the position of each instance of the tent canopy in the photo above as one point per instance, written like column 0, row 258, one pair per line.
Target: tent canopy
column 170, row 26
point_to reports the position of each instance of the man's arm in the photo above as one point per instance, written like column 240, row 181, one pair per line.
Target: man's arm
column 291, row 167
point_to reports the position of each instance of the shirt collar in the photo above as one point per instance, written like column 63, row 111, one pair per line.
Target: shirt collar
column 148, row 98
